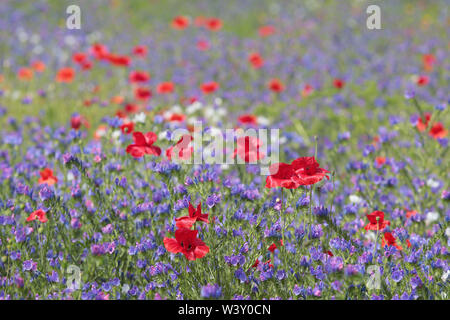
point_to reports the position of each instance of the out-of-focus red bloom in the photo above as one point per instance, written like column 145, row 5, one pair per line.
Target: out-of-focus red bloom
column 165, row 87
column 187, row 243
column 423, row 81
column 194, row 215
column 410, row 213
column 99, row 51
column 100, row 132
column 248, row 149
column 248, row 119
column 256, row 60
column 408, row 243
column 131, row 108
column 376, row 221
column 428, row 62
column 276, row 85
column 202, row 45
column 338, row 83
column 307, row 90
column 25, row 74
column 138, row 76
column 180, row 22
column 86, row 65
column 38, row 214
column 121, row 114
column 273, row 246
column 281, row 176
column 140, row 51
column 213, row 24
column 47, row 177
column 389, row 240
column 143, row 144
column 438, row 131
column 176, row 117
column 142, row 93
column 307, row 171
column 200, row 21
column 78, row 120
column 254, row 265
column 328, row 252
column 127, row 128
column 119, row 60
column 421, row 125
column 209, row 87
column 79, row 57
column 380, row 161
column 183, row 147
column 266, row 31
column 65, row 75
column 38, row 66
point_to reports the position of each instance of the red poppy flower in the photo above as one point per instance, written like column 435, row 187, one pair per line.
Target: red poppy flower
column 180, row 22
column 248, row 149
column 255, row 264
column 65, row 75
column 47, row 177
column 273, row 246
column 428, row 61
column 328, row 252
column 276, row 85
column 307, row 171
column 119, row 60
column 99, row 51
column 380, row 161
column 209, row 87
column 25, row 74
column 256, row 60
column 143, row 144
column 38, row 214
column 187, row 243
column 423, row 81
column 176, row 117
column 142, row 93
column 127, row 128
column 266, row 31
column 410, row 213
column 408, row 243
column 438, row 131
column 38, row 66
column 131, row 108
column 389, row 240
column 165, row 87
column 140, row 51
column 86, row 65
column 194, row 215
column 79, row 57
column 421, row 126
column 213, row 24
column 138, row 76
column 184, row 150
column 338, row 83
column 77, row 120
column 281, row 176
column 376, row 221
column 248, row 119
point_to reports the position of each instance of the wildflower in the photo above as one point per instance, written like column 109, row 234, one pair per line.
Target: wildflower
column 307, row 171
column 376, row 221
column 389, row 240
column 47, row 177
column 180, row 22
column 65, row 75
column 276, row 85
column 194, row 215
column 143, row 144
column 256, row 60
column 209, row 87
column 38, row 214
column 187, row 243
column 281, row 176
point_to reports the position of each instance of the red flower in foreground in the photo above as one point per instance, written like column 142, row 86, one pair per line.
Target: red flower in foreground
column 307, row 171
column 38, row 214
column 138, row 76
column 276, row 85
column 65, row 75
column 127, row 128
column 47, row 177
column 184, row 150
column 422, row 122
column 338, row 83
column 389, row 240
column 194, row 215
column 165, row 87
column 187, row 243
column 281, row 176
column 209, row 87
column 256, row 60
column 248, row 119
column 376, row 221
column 213, row 24
column 143, row 144
column 180, row 22
column 438, row 131
column 248, row 149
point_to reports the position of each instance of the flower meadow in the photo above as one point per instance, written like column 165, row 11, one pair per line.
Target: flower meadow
column 100, row 199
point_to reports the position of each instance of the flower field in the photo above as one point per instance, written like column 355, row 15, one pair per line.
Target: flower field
column 224, row 150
